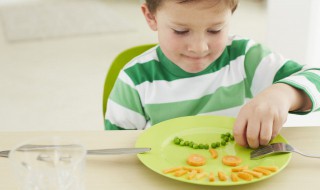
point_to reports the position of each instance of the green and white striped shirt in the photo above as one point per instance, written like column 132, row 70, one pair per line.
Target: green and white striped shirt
column 151, row 89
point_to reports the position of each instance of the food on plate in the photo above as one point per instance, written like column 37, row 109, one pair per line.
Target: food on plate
column 170, row 170
column 180, row 173
column 225, row 138
column 214, row 153
column 196, row 160
column 201, row 175
column 192, row 174
column 230, row 160
column 253, row 173
column 261, row 170
column 239, row 168
column 234, row 177
column 211, row 177
column 245, row 176
column 190, row 169
column 222, row 176
column 270, row 168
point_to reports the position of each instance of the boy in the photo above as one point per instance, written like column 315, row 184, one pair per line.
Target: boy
column 197, row 68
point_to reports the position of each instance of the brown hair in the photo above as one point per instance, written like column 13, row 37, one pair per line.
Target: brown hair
column 153, row 5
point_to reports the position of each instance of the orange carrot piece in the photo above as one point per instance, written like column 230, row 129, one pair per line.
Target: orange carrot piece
column 261, row 170
column 222, row 176
column 170, row 170
column 245, row 176
column 192, row 175
column 211, row 177
column 231, row 160
column 196, row 160
column 239, row 168
column 253, row 173
column 234, row 177
column 199, row 170
column 180, row 173
column 201, row 175
column 214, row 153
column 270, row 168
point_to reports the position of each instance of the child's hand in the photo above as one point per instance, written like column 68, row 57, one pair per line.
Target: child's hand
column 261, row 119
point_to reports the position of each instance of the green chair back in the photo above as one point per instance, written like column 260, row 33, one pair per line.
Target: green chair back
column 115, row 67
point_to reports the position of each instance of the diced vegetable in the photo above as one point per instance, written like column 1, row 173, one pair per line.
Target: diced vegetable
column 261, row 170
column 234, row 177
column 196, row 160
column 230, row 160
column 214, row 153
column 253, row 173
column 170, row 170
column 222, row 176
column 245, row 176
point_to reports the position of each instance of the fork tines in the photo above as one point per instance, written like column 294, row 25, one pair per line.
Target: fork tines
column 261, row 152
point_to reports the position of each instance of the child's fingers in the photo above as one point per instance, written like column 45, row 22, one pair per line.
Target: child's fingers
column 277, row 125
column 266, row 131
column 239, row 131
column 253, row 131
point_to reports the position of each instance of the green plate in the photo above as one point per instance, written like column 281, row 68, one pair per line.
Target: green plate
column 165, row 154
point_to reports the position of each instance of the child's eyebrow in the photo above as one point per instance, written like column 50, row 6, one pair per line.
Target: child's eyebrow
column 211, row 25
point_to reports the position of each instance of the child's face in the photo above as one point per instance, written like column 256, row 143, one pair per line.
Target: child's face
column 192, row 35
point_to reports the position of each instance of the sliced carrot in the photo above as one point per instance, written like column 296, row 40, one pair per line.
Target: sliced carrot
column 199, row 170
column 253, row 173
column 196, row 160
column 245, row 176
column 192, row 174
column 234, row 177
column 239, row 168
column 261, row 170
column 201, row 175
column 222, row 176
column 211, row 177
column 214, row 153
column 231, row 160
column 270, row 168
column 170, row 170
column 180, row 173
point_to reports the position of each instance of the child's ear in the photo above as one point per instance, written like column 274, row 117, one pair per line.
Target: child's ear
column 150, row 18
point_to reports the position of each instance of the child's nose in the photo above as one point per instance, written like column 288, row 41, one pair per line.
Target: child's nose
column 198, row 45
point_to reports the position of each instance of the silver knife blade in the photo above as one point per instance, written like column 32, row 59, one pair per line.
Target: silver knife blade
column 109, row 151
column 118, row 151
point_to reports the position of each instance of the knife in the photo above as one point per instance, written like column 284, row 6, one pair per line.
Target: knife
column 108, row 151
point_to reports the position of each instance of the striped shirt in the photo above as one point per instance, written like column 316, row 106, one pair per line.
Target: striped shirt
column 151, row 89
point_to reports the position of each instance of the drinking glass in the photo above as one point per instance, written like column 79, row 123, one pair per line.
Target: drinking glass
column 49, row 163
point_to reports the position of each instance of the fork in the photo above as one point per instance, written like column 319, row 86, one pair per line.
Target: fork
column 277, row 148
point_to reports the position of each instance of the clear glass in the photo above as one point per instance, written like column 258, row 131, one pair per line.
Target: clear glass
column 51, row 163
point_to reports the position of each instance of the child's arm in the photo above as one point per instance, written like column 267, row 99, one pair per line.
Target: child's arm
column 277, row 86
column 124, row 109
column 261, row 119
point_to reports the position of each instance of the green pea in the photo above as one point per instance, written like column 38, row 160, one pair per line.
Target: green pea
column 206, row 146
column 213, row 145
column 191, row 144
column 182, row 143
column 223, row 143
column 195, row 146
column 222, row 136
column 218, row 144
column 176, row 141
column 226, row 139
column 228, row 134
column 201, row 146
column 186, row 143
column 232, row 138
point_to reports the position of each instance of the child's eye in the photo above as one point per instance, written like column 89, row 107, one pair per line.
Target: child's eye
column 179, row 32
column 214, row 31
